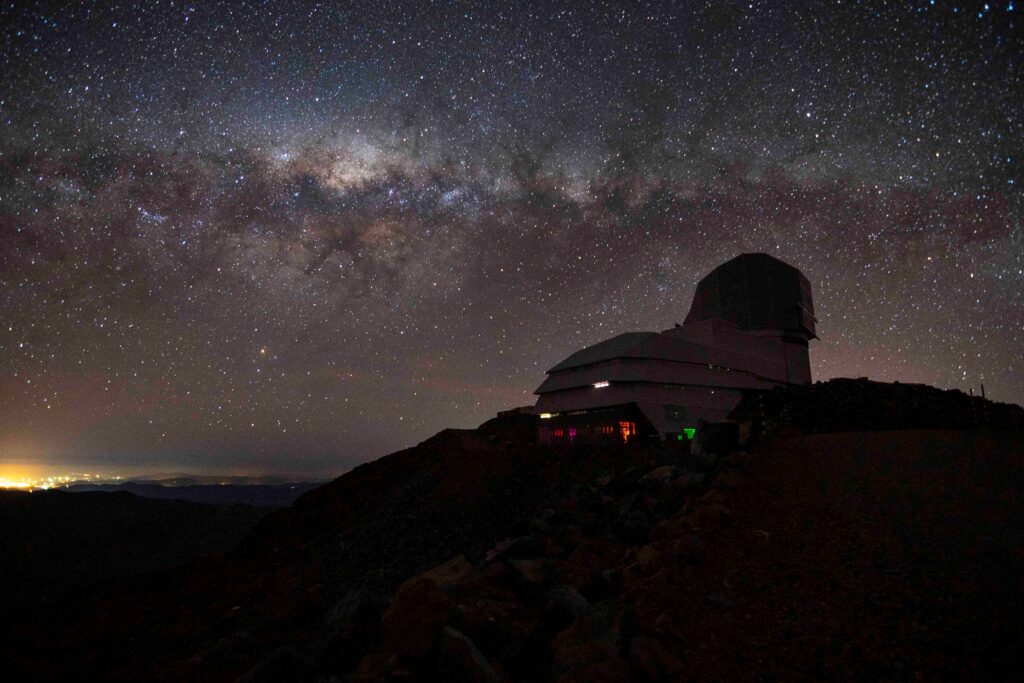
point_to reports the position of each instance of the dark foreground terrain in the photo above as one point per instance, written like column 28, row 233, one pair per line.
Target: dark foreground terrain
column 55, row 542
column 855, row 539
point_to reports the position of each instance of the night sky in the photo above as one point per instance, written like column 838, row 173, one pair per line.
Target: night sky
column 288, row 238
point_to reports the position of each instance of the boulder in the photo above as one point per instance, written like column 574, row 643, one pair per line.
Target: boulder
column 588, row 651
column 650, row 659
column 450, row 573
column 566, row 604
column 501, row 628
column 375, row 667
column 659, row 476
column 413, row 621
column 729, row 480
column 284, row 664
column 584, row 567
column 531, row 576
column 460, row 661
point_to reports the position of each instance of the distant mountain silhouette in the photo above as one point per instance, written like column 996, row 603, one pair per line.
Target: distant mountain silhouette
column 858, row 530
column 257, row 495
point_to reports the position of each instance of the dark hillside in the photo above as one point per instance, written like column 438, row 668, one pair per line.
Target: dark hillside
column 52, row 542
column 886, row 553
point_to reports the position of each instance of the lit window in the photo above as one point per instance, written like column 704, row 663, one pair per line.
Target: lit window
column 627, row 430
column 690, row 432
column 601, row 385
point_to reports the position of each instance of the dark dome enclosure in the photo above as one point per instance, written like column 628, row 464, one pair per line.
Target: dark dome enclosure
column 756, row 292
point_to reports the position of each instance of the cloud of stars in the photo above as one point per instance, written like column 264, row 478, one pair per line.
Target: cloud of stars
column 288, row 237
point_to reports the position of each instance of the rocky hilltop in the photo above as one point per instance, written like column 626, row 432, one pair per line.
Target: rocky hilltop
column 854, row 530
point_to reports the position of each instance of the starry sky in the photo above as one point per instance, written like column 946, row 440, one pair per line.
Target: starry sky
column 285, row 237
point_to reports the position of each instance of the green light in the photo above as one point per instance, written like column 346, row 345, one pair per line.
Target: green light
column 690, row 433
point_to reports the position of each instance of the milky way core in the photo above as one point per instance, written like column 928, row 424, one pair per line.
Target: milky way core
column 289, row 237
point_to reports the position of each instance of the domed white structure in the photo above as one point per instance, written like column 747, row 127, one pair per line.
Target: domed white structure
column 748, row 328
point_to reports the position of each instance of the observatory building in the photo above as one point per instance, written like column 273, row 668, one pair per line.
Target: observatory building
column 748, row 328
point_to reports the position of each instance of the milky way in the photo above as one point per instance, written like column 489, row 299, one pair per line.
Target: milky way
column 289, row 237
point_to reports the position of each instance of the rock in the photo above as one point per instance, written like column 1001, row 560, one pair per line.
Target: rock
column 588, row 651
column 645, row 563
column 721, row 601
column 686, row 548
column 375, row 667
column 704, row 461
column 729, row 480
column 355, row 604
column 494, row 581
column 413, row 621
column 567, row 604
column 659, row 476
column 531, row 575
column 352, row 627
column 592, row 568
column 635, row 526
column 650, row 659
column 695, row 479
column 501, row 628
column 516, row 548
column 539, row 526
column 450, row 573
column 674, row 527
column 346, row 647
column 285, row 664
column 686, row 480
column 460, row 661
column 498, row 550
column 552, row 548
column 648, row 558
column 664, row 625
column 711, row 517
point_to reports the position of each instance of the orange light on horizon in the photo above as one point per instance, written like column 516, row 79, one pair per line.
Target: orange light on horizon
column 6, row 483
column 30, row 477
column 19, row 475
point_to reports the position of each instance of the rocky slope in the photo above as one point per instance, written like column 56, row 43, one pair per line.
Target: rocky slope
column 480, row 556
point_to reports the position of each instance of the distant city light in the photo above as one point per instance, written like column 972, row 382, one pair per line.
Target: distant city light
column 30, row 483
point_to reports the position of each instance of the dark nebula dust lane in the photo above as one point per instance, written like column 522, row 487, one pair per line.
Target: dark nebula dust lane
column 289, row 237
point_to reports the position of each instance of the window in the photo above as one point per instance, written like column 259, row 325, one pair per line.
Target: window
column 627, row 430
